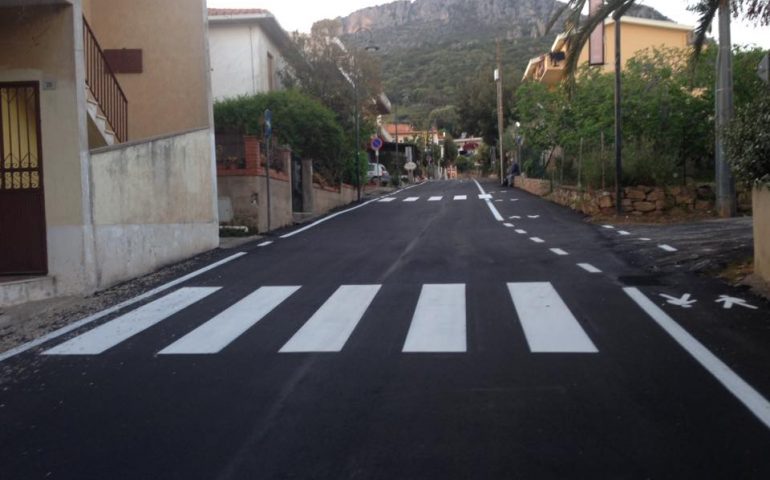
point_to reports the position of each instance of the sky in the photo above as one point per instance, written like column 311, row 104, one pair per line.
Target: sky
column 301, row 14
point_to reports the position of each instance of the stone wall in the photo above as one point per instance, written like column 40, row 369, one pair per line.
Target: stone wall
column 326, row 199
column 637, row 200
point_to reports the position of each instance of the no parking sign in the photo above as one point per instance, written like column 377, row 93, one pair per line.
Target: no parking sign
column 376, row 143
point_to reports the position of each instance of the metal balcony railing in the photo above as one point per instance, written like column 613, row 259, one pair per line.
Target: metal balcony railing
column 104, row 86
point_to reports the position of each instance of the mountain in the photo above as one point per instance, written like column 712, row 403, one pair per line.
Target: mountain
column 428, row 47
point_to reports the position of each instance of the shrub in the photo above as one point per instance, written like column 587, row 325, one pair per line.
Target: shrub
column 747, row 140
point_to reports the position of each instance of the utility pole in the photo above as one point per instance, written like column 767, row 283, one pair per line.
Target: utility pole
column 499, row 81
column 725, row 185
column 618, row 119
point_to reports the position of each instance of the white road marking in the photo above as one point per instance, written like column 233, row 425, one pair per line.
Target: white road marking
column 533, row 216
column 521, row 232
column 97, row 316
column 220, row 331
column 264, row 244
column 435, row 199
column 609, row 227
column 106, row 336
column 559, row 251
column 329, row 217
column 514, row 199
column 331, row 326
column 498, row 200
column 728, row 302
column 589, row 268
column 623, row 233
column 485, row 196
column 387, row 199
column 667, row 248
column 644, row 239
column 509, row 225
column 514, row 217
column 683, row 301
column 491, row 206
column 537, row 240
column 411, row 199
column 744, row 392
column 438, row 324
column 461, row 197
column 548, row 324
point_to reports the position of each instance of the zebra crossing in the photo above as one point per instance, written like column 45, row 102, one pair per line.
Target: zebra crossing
column 438, row 324
column 434, row 198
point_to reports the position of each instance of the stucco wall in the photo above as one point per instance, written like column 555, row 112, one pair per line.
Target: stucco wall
column 152, row 204
column 761, row 203
column 39, row 44
column 171, row 94
column 248, row 197
column 239, row 59
column 634, row 38
column 325, row 200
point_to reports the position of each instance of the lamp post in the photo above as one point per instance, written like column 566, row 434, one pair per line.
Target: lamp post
column 370, row 47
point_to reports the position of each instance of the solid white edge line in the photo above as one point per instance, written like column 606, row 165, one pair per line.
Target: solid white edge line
column 326, row 219
column 491, row 206
column 744, row 392
column 92, row 318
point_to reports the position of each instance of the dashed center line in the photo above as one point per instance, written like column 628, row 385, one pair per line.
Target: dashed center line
column 411, row 199
column 461, row 197
column 537, row 240
column 264, row 244
column 509, row 225
column 521, row 232
column 559, row 251
column 589, row 268
column 623, row 232
column 435, row 199
column 609, row 227
column 667, row 248
column 387, row 199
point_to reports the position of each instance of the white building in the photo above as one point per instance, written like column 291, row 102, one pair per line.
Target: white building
column 247, row 49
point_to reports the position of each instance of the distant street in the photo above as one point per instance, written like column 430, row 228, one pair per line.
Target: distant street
column 451, row 330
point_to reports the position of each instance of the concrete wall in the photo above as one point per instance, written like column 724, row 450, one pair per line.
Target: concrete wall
column 172, row 92
column 325, row 200
column 248, row 197
column 152, row 204
column 44, row 44
column 761, row 204
column 239, row 59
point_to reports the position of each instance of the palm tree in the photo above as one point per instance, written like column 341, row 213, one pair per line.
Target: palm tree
column 755, row 10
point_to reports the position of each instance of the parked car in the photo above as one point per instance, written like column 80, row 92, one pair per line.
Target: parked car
column 376, row 173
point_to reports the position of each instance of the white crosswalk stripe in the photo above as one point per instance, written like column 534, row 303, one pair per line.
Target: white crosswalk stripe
column 220, row 331
column 461, row 197
column 547, row 322
column 331, row 326
column 106, row 336
column 387, row 199
column 435, row 199
column 411, row 199
column 438, row 324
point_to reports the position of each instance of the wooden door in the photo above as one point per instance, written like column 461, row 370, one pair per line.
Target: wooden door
column 22, row 204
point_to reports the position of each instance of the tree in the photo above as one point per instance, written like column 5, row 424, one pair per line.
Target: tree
column 758, row 10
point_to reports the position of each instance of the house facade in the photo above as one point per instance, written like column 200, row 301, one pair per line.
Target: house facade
column 247, row 51
column 637, row 34
column 106, row 152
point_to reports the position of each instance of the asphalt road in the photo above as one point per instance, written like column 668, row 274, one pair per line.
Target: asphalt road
column 414, row 337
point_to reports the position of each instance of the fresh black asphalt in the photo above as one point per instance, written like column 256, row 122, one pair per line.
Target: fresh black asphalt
column 641, row 407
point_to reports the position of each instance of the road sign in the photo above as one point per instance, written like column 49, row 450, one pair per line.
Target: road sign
column 376, row 143
column 410, row 166
column 268, row 123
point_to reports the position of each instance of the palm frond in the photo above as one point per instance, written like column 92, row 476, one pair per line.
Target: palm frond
column 706, row 11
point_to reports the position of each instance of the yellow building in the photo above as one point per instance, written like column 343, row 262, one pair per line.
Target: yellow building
column 637, row 34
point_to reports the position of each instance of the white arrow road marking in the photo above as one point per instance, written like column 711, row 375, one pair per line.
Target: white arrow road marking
column 683, row 302
column 728, row 302
column 744, row 392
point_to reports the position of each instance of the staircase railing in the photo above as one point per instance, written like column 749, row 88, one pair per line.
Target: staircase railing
column 104, row 86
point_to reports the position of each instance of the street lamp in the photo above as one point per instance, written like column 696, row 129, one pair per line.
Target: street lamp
column 370, row 47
